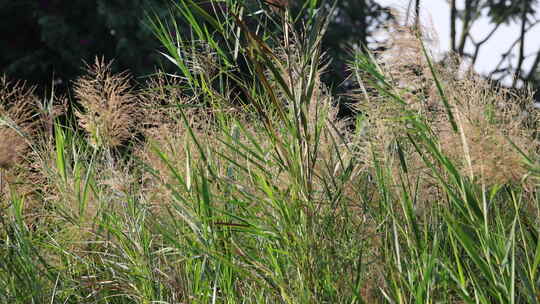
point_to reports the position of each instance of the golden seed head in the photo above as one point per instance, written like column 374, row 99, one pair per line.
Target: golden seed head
column 110, row 112
column 17, row 119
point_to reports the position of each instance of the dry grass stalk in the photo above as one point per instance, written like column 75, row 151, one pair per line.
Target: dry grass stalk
column 488, row 118
column 111, row 110
column 11, row 148
column 26, row 125
column 491, row 120
column 18, row 124
column 163, row 103
column 18, row 121
column 323, row 135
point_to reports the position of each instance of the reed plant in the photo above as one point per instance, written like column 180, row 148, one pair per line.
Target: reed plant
column 242, row 184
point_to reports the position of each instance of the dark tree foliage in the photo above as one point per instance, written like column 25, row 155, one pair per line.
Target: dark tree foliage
column 506, row 11
column 499, row 13
column 53, row 37
column 46, row 40
column 352, row 26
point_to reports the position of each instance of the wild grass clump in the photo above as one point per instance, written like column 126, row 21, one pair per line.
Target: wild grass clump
column 18, row 121
column 482, row 128
column 25, row 121
column 110, row 113
column 451, row 156
column 251, row 189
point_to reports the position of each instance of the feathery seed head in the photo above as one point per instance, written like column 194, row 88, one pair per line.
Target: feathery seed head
column 17, row 120
column 489, row 119
column 110, row 112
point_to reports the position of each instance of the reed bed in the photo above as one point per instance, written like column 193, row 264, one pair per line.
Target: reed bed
column 209, row 187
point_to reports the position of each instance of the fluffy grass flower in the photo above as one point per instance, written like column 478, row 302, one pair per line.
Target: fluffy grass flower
column 17, row 121
column 489, row 119
column 110, row 113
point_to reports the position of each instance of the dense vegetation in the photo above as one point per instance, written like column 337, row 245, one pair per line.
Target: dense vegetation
column 177, row 191
column 47, row 41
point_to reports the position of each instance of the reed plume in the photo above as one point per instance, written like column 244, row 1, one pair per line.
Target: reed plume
column 110, row 112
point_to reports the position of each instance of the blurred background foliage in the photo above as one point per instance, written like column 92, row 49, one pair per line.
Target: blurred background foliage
column 46, row 41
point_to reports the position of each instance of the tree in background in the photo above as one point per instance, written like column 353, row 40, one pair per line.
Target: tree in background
column 465, row 14
column 46, row 37
column 353, row 25
column 52, row 37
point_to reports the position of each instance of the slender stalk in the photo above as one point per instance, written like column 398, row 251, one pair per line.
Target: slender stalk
column 417, row 15
column 522, row 33
column 453, row 16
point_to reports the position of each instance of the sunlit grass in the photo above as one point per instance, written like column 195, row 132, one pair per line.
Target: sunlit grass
column 222, row 187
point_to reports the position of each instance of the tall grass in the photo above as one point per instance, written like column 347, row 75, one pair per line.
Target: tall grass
column 240, row 189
